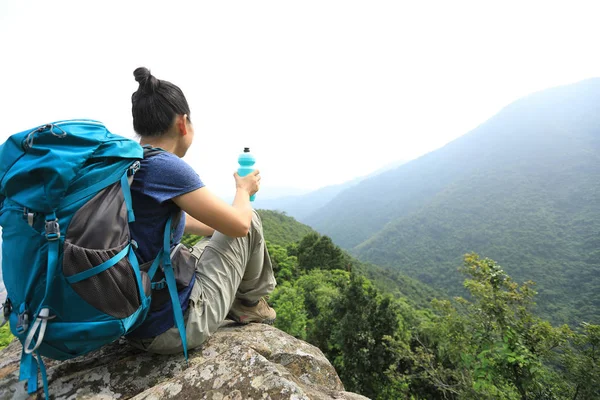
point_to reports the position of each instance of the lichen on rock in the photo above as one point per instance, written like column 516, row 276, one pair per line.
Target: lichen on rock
column 238, row 362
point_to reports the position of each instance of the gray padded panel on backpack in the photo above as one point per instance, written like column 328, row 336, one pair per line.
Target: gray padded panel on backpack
column 184, row 268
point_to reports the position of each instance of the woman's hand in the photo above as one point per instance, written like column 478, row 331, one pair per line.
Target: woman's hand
column 231, row 220
column 249, row 183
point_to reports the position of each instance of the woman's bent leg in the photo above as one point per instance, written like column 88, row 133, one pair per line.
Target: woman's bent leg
column 227, row 268
column 231, row 268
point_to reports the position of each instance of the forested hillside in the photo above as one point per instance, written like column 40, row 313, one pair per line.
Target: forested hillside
column 386, row 345
column 282, row 229
column 522, row 188
column 284, row 233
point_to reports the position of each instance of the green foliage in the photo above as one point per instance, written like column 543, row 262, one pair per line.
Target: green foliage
column 367, row 322
column 315, row 251
column 582, row 362
column 5, row 336
column 491, row 346
column 285, row 267
column 321, row 289
column 190, row 240
column 391, row 280
column 291, row 314
column 344, row 315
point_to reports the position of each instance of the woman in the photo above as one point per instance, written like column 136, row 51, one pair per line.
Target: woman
column 233, row 270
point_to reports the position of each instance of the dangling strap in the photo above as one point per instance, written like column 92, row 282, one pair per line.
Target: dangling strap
column 35, row 334
column 44, row 376
column 172, row 286
column 29, row 371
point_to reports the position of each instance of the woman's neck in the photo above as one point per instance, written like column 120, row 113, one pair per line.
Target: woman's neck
column 163, row 143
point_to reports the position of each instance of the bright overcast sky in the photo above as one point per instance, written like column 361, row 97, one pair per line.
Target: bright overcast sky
column 322, row 91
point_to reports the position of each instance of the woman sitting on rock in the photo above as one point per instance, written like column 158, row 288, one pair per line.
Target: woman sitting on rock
column 233, row 271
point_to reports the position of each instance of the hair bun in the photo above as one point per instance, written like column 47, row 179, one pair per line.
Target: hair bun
column 147, row 82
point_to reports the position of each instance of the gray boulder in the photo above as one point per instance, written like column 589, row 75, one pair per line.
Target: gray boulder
column 237, row 363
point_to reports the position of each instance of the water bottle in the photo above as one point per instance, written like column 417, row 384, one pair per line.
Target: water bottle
column 246, row 161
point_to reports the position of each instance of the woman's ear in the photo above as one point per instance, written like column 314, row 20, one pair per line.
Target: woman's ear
column 182, row 127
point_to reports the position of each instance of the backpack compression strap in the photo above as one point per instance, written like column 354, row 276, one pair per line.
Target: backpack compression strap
column 35, row 334
column 164, row 258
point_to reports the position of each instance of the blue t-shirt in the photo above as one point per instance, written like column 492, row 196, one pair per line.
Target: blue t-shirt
column 161, row 177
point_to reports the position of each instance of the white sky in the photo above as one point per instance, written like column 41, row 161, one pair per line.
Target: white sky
column 322, row 91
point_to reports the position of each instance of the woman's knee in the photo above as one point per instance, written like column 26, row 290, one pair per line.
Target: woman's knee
column 256, row 221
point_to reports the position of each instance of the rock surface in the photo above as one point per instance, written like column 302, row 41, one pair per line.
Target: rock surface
column 237, row 363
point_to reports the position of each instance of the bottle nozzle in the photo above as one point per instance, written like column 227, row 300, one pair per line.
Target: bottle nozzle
column 246, row 149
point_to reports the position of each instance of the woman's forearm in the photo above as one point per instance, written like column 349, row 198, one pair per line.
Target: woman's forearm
column 195, row 227
column 241, row 202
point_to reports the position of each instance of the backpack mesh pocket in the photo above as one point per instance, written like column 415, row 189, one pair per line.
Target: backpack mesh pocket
column 98, row 231
column 114, row 291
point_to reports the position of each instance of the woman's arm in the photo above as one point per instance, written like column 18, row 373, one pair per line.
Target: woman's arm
column 195, row 227
column 231, row 220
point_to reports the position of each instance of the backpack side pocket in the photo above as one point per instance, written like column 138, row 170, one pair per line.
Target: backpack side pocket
column 98, row 232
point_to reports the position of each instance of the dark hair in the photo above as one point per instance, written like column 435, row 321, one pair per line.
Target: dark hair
column 155, row 104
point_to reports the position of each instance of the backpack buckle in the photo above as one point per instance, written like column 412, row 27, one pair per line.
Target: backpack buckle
column 6, row 310
column 28, row 216
column 159, row 285
column 52, row 229
column 22, row 320
column 134, row 168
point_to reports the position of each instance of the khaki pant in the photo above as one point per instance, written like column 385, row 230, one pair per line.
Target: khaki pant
column 226, row 268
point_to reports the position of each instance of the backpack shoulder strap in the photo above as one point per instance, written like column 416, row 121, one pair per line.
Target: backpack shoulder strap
column 164, row 258
column 150, row 151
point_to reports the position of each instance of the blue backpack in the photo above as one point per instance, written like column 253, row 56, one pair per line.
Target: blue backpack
column 73, row 280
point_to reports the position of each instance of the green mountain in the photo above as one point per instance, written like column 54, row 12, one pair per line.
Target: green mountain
column 522, row 188
column 299, row 206
column 281, row 229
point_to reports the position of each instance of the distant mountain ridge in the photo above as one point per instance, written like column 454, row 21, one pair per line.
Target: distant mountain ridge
column 522, row 188
column 300, row 206
column 303, row 205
